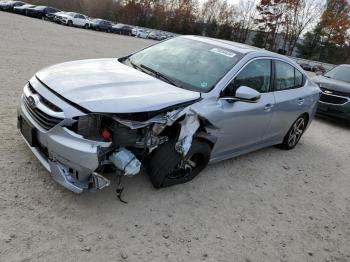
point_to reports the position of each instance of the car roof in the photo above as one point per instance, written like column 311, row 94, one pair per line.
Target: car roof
column 238, row 47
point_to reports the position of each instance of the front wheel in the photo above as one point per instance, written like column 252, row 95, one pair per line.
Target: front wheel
column 167, row 167
column 70, row 23
column 294, row 134
column 86, row 26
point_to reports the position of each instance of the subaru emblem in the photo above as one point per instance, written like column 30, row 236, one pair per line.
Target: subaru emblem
column 32, row 101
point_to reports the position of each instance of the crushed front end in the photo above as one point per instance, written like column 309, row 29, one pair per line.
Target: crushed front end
column 74, row 145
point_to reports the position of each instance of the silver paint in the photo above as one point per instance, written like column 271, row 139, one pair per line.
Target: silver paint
column 108, row 86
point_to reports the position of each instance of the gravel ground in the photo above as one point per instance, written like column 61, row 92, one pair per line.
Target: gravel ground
column 270, row 205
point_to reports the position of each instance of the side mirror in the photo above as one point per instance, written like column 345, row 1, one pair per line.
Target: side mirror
column 247, row 94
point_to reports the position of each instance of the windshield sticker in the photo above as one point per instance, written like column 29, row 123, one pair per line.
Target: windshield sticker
column 223, row 52
column 204, row 84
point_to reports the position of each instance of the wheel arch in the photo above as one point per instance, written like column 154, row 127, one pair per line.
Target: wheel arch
column 307, row 117
column 210, row 139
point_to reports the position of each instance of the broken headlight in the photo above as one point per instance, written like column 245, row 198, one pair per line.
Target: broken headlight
column 104, row 127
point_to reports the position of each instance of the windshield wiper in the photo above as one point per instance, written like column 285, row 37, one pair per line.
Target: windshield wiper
column 136, row 66
column 160, row 75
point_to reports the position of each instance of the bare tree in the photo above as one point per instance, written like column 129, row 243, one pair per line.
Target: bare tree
column 298, row 15
column 245, row 13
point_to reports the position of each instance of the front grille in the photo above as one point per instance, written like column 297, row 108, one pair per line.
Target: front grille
column 337, row 93
column 44, row 120
column 44, row 100
column 330, row 99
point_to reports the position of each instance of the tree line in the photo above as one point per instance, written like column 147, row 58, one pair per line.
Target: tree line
column 276, row 25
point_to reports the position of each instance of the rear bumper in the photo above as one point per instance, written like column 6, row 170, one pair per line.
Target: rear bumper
column 70, row 159
column 337, row 111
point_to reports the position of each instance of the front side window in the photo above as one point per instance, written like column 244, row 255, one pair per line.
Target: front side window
column 287, row 76
column 256, row 75
column 192, row 64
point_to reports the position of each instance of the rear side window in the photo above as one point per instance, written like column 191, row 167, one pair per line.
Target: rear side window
column 299, row 78
column 287, row 76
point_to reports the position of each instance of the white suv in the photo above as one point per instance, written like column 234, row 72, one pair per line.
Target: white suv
column 73, row 19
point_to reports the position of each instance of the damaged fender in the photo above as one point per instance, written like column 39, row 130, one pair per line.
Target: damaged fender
column 189, row 127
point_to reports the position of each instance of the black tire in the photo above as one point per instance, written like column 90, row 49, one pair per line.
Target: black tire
column 296, row 131
column 164, row 165
column 70, row 23
column 86, row 26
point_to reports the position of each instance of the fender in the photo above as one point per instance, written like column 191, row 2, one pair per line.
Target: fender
column 208, row 137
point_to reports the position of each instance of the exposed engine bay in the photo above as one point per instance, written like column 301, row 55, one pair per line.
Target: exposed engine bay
column 133, row 140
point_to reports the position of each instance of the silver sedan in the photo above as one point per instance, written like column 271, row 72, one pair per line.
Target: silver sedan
column 173, row 108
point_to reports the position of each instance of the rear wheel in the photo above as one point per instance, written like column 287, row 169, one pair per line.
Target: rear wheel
column 295, row 133
column 167, row 167
column 86, row 26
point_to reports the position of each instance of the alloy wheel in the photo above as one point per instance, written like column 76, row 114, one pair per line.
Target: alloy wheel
column 186, row 167
column 296, row 132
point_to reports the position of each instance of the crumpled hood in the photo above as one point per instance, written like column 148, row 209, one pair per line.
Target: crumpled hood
column 332, row 84
column 108, row 86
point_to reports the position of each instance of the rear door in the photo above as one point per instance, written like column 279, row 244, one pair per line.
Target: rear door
column 289, row 92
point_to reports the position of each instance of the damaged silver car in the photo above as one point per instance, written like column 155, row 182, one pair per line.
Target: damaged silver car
column 171, row 108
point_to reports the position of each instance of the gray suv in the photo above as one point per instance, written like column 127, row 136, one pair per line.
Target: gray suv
column 335, row 97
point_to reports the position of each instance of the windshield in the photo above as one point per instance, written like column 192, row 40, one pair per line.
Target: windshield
column 192, row 64
column 341, row 73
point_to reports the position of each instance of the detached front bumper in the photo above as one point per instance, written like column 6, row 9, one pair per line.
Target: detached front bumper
column 70, row 159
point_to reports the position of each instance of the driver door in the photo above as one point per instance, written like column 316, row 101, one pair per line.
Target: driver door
column 242, row 124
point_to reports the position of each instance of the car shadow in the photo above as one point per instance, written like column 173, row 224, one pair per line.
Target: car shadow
column 334, row 121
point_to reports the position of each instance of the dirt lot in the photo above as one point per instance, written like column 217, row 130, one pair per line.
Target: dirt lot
column 270, row 205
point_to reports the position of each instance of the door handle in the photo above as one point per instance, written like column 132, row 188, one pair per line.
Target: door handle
column 268, row 107
column 301, row 101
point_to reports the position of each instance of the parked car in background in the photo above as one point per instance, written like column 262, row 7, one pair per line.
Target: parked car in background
column 140, row 33
column 305, row 66
column 122, row 29
column 51, row 16
column 157, row 36
column 101, row 25
column 73, row 19
column 335, row 97
column 9, row 5
column 22, row 9
column 154, row 35
column 318, row 68
column 172, row 107
column 41, row 11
